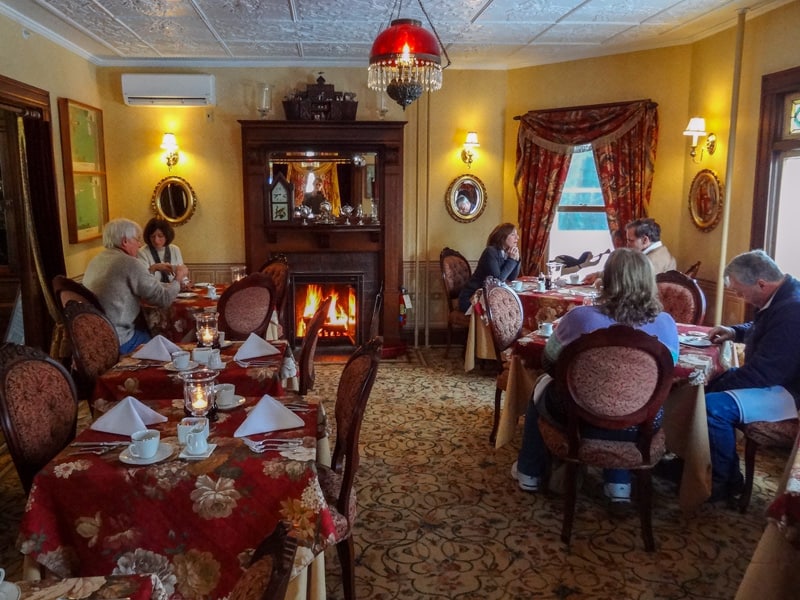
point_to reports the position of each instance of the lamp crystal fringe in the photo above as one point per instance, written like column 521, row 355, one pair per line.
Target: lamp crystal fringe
column 406, row 61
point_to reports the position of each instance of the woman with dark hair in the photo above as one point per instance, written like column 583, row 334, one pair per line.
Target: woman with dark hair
column 500, row 259
column 629, row 297
column 159, row 253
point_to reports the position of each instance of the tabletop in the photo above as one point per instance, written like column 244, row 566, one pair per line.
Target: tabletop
column 684, row 411
column 191, row 522
column 153, row 380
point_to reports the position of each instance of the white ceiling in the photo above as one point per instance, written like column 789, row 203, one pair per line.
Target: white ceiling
column 478, row 34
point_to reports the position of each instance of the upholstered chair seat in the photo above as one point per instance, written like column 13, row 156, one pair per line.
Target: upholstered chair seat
column 267, row 576
column 780, row 434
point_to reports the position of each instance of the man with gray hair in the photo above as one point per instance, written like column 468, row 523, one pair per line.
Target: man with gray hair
column 121, row 281
column 767, row 386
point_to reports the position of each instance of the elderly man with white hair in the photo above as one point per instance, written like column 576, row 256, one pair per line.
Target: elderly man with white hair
column 121, row 281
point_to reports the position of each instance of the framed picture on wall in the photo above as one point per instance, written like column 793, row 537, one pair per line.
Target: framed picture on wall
column 465, row 199
column 705, row 200
column 83, row 158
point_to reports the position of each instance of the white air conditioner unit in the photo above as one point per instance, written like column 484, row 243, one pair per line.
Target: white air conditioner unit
column 151, row 89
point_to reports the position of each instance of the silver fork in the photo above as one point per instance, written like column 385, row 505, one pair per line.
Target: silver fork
column 273, row 444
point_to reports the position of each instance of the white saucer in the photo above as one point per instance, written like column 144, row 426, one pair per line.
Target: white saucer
column 170, row 366
column 226, row 344
column 542, row 334
column 9, row 591
column 695, row 360
column 202, row 284
column 696, row 342
column 186, row 294
column 206, row 454
column 164, row 451
column 239, row 400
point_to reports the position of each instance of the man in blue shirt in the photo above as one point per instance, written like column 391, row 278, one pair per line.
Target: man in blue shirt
column 767, row 386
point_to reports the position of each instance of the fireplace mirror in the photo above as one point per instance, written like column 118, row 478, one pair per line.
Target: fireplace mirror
column 329, row 188
column 174, row 200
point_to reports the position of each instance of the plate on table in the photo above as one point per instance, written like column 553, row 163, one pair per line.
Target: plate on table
column 185, row 454
column 9, row 591
column 187, row 295
column 202, row 284
column 694, row 341
column 170, row 366
column 237, row 402
column 164, row 452
column 695, row 360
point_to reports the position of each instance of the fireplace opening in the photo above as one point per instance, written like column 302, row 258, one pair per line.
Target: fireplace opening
column 341, row 325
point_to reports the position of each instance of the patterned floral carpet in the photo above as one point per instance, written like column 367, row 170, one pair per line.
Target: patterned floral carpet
column 439, row 516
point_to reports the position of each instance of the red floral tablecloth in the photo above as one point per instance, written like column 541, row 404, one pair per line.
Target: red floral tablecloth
column 176, row 322
column 559, row 301
column 155, row 381
column 133, row 587
column 191, row 522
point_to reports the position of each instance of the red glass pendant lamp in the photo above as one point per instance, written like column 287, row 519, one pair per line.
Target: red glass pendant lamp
column 405, row 60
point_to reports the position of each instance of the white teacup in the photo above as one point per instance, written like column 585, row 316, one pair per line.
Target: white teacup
column 191, row 425
column 180, row 359
column 221, row 337
column 574, row 277
column 144, row 443
column 546, row 328
column 201, row 355
column 225, row 394
column 197, row 442
column 516, row 285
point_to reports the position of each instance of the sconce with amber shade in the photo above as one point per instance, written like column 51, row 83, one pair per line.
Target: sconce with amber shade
column 170, row 144
column 468, row 153
column 697, row 129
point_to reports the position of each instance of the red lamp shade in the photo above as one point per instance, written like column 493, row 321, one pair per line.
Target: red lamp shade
column 405, row 61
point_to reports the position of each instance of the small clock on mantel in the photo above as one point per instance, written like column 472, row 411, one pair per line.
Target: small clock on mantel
column 279, row 200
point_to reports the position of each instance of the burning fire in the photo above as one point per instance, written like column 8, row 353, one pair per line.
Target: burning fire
column 341, row 318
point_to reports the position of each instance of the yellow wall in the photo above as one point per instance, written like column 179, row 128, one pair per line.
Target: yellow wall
column 684, row 80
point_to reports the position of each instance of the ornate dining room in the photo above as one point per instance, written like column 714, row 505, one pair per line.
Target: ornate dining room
column 299, row 416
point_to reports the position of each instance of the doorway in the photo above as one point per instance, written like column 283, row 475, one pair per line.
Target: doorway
column 30, row 215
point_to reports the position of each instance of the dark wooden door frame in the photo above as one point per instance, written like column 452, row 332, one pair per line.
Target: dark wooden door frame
column 33, row 104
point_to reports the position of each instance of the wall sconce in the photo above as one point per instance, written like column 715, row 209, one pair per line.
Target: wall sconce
column 170, row 144
column 468, row 154
column 265, row 106
column 697, row 129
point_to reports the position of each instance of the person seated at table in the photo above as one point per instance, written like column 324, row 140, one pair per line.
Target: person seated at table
column 499, row 259
column 629, row 297
column 767, row 386
column 159, row 253
column 644, row 235
column 121, row 281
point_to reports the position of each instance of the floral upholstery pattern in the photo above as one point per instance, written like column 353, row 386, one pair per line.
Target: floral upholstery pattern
column 681, row 297
column 246, row 306
column 39, row 409
column 505, row 315
column 331, row 484
column 94, row 341
column 779, row 434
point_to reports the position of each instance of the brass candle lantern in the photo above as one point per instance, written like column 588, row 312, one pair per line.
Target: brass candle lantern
column 206, row 324
column 199, row 393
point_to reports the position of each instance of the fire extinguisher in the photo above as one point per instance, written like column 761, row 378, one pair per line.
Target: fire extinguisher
column 402, row 316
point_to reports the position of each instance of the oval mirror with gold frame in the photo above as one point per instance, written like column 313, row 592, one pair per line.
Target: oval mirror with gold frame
column 465, row 198
column 174, row 200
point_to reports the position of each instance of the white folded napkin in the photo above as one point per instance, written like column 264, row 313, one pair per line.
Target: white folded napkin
column 255, row 346
column 273, row 329
column 268, row 415
column 126, row 417
column 159, row 348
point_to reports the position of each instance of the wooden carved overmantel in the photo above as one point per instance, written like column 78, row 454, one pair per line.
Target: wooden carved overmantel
column 273, row 224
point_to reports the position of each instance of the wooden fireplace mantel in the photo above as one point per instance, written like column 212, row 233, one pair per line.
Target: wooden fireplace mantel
column 260, row 139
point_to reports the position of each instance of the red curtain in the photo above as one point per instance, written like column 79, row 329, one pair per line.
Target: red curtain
column 623, row 137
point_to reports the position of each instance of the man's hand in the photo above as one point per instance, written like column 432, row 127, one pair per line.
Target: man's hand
column 721, row 334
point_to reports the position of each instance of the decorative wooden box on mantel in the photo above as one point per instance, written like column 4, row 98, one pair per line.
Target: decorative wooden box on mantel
column 320, row 102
